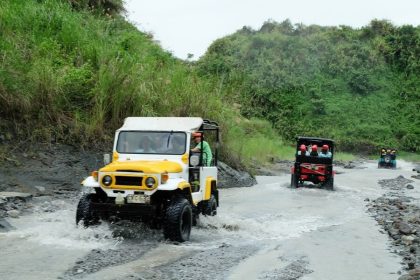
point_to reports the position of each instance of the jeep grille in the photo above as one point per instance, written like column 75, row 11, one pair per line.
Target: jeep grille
column 128, row 181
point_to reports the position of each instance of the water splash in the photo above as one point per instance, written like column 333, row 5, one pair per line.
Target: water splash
column 52, row 227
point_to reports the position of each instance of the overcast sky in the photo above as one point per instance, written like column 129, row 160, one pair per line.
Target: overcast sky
column 190, row 26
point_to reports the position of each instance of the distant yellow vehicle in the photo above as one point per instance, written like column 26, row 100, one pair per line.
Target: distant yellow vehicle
column 153, row 177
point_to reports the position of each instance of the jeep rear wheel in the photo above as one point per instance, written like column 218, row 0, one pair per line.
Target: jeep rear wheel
column 294, row 181
column 178, row 220
column 85, row 211
column 210, row 208
column 329, row 184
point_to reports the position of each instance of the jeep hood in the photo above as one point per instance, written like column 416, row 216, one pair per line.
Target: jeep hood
column 144, row 166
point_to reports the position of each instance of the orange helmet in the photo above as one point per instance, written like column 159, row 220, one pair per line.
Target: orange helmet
column 325, row 147
column 197, row 134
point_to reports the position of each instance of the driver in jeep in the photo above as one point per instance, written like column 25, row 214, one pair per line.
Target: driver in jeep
column 207, row 155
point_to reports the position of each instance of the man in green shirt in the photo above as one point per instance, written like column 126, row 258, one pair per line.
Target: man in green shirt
column 207, row 155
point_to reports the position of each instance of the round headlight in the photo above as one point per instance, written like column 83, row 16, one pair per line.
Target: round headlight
column 150, row 182
column 107, row 180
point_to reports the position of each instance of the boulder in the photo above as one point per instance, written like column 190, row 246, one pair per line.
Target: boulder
column 40, row 189
column 414, row 272
column 5, row 226
column 231, row 178
column 408, row 239
column 405, row 228
column 13, row 213
column 13, row 195
column 349, row 165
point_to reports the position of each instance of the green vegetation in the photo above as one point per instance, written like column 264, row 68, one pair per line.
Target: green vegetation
column 341, row 156
column 408, row 156
column 71, row 71
column 254, row 141
column 360, row 87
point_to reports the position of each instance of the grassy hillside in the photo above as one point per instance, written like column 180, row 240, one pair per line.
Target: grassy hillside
column 71, row 71
column 360, row 87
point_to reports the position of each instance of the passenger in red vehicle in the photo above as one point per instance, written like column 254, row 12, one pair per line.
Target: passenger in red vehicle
column 314, row 151
column 302, row 151
column 325, row 152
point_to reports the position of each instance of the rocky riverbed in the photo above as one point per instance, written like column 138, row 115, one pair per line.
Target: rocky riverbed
column 266, row 231
column 399, row 215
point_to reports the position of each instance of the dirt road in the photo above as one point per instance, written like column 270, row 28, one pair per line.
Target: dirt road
column 268, row 231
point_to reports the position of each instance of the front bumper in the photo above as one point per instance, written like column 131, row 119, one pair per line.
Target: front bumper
column 131, row 210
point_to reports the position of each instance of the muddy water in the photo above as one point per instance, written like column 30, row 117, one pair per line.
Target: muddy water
column 45, row 244
column 268, row 231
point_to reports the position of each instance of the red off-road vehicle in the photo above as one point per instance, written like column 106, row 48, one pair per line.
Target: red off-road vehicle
column 314, row 162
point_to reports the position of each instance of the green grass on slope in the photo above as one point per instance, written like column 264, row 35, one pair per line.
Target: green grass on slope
column 73, row 76
column 356, row 86
column 412, row 157
column 344, row 156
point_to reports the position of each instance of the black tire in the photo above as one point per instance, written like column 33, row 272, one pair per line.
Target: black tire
column 85, row 211
column 195, row 219
column 329, row 184
column 178, row 220
column 294, row 181
column 210, row 207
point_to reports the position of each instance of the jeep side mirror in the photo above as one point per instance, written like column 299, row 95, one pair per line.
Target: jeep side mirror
column 107, row 159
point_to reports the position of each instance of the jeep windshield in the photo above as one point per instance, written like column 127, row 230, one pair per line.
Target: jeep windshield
column 151, row 142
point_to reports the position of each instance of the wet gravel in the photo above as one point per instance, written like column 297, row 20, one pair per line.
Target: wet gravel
column 398, row 214
column 204, row 264
column 98, row 259
column 294, row 270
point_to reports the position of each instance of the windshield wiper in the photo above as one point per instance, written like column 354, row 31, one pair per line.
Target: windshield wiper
column 169, row 139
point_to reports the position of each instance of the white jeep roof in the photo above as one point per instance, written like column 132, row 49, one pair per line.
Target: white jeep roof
column 162, row 123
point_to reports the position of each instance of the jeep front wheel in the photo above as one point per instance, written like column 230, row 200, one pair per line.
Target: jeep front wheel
column 178, row 220
column 85, row 211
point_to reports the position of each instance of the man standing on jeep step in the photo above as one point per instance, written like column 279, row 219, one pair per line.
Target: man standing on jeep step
column 207, row 155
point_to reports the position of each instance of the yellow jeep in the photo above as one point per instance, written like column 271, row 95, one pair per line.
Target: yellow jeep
column 154, row 177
